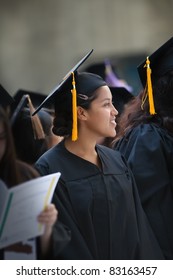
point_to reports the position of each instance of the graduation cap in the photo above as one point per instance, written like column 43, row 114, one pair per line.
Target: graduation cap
column 156, row 65
column 68, row 80
column 5, row 98
column 107, row 71
column 36, row 98
column 25, row 104
column 120, row 96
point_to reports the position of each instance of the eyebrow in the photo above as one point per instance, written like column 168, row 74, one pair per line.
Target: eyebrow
column 106, row 99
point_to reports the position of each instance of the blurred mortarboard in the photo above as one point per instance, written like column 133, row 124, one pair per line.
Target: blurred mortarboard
column 156, row 65
column 36, row 98
column 23, row 106
column 120, row 96
column 5, row 98
column 97, row 68
column 63, row 83
column 108, row 72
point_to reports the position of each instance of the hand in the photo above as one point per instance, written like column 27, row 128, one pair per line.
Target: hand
column 48, row 216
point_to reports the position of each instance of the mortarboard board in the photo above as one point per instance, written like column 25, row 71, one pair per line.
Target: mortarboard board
column 120, row 96
column 63, row 82
column 156, row 65
column 5, row 98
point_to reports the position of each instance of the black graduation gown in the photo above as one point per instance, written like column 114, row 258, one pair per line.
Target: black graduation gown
column 149, row 151
column 101, row 207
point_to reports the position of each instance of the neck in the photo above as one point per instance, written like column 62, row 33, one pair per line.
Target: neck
column 82, row 145
column 84, row 149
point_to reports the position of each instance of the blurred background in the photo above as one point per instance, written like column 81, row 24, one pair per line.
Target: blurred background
column 41, row 40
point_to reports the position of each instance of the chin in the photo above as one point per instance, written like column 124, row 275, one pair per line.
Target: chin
column 113, row 134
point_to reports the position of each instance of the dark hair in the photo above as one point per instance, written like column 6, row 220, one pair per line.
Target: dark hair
column 8, row 169
column 62, row 123
column 134, row 114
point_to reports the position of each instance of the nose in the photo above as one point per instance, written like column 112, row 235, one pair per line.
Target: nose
column 114, row 111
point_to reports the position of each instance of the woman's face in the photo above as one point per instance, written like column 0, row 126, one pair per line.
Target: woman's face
column 102, row 114
column 2, row 140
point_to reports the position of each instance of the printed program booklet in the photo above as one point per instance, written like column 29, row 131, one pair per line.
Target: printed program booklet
column 20, row 207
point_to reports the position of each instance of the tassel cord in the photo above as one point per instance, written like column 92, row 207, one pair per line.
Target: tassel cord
column 74, row 109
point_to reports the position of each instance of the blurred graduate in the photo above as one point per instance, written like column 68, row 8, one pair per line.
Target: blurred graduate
column 145, row 139
column 14, row 172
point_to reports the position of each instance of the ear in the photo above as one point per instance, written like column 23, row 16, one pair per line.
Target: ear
column 81, row 113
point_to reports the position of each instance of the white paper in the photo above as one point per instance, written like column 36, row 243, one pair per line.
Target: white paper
column 24, row 203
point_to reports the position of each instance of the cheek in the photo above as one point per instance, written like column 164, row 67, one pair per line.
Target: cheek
column 100, row 120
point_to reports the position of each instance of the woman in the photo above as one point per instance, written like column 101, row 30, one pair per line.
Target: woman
column 13, row 172
column 146, row 141
column 96, row 195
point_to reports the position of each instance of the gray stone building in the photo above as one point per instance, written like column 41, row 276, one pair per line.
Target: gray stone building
column 41, row 40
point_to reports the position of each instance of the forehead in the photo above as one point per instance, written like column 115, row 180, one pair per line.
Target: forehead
column 103, row 93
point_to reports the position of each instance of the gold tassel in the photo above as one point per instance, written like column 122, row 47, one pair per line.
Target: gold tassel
column 36, row 123
column 74, row 107
column 149, row 88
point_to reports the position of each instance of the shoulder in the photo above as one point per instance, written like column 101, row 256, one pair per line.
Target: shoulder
column 50, row 154
column 49, row 160
column 145, row 137
column 146, row 133
column 147, row 129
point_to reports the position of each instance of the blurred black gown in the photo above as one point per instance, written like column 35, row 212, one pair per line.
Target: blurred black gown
column 148, row 148
column 100, row 206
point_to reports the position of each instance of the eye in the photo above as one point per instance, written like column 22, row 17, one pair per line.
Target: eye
column 107, row 104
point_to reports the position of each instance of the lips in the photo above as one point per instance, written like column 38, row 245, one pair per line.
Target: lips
column 113, row 122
